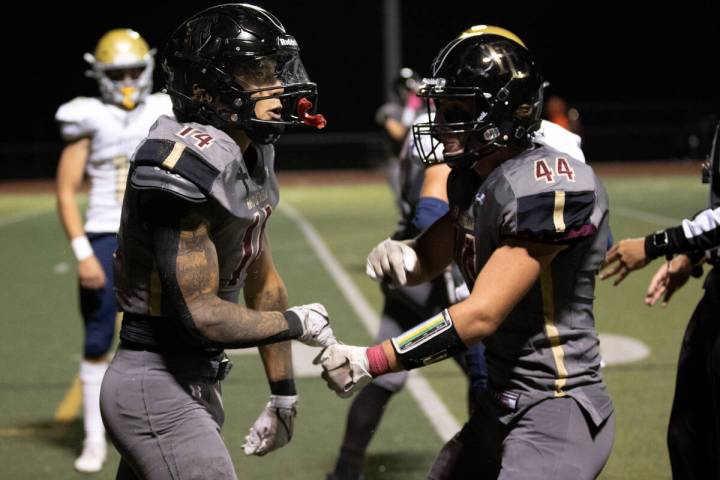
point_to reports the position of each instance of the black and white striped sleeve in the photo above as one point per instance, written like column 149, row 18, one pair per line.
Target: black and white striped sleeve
column 697, row 235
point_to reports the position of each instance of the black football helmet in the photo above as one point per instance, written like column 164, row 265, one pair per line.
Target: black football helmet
column 485, row 89
column 210, row 50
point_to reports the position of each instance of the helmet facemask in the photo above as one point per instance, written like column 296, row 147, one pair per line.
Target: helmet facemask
column 260, row 95
column 469, row 123
column 268, row 94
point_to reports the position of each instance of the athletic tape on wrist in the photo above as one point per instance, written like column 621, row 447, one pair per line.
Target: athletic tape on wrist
column 81, row 248
column 431, row 341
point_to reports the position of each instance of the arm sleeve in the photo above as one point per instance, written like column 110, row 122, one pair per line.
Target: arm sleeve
column 428, row 211
column 699, row 234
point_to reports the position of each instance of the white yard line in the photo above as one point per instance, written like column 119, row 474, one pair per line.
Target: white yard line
column 435, row 410
column 19, row 217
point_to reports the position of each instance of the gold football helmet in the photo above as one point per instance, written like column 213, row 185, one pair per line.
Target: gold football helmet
column 123, row 66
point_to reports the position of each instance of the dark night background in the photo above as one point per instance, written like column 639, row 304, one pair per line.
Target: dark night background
column 644, row 77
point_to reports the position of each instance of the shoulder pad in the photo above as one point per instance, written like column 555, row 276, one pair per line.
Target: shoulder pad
column 175, row 158
column 145, row 177
column 546, row 196
column 76, row 117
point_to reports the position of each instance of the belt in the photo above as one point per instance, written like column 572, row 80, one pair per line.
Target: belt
column 214, row 369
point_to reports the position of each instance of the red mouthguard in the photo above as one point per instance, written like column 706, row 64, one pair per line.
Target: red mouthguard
column 317, row 120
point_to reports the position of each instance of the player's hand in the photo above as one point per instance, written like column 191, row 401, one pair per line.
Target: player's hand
column 668, row 279
column 316, row 325
column 274, row 427
column 623, row 258
column 391, row 261
column 345, row 368
column 91, row 273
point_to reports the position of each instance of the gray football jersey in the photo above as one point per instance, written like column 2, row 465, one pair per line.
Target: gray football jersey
column 547, row 346
column 202, row 164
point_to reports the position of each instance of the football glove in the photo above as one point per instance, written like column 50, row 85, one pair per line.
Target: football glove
column 316, row 325
column 274, row 427
column 390, row 261
column 345, row 368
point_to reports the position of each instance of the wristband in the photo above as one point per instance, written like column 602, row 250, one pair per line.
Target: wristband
column 81, row 248
column 377, row 361
column 283, row 388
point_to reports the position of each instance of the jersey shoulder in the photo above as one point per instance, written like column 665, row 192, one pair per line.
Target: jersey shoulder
column 547, row 196
column 186, row 152
column 79, row 117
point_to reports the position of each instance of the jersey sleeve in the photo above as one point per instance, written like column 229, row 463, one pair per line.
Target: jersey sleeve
column 561, row 213
column 76, row 118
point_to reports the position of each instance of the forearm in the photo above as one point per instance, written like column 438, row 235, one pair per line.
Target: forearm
column 235, row 326
column 434, row 251
column 504, row 280
column 189, row 272
column 699, row 234
column 69, row 179
column 277, row 357
column 70, row 216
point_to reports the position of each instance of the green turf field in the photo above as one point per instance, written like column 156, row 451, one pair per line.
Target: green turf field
column 41, row 333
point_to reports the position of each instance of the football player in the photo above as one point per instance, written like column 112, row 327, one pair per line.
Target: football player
column 528, row 227
column 199, row 195
column 101, row 134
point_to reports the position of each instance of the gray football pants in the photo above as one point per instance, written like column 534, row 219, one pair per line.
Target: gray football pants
column 163, row 414
column 553, row 439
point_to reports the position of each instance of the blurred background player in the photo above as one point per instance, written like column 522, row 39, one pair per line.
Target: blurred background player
column 395, row 117
column 100, row 135
column 528, row 227
column 558, row 112
column 192, row 237
column 422, row 199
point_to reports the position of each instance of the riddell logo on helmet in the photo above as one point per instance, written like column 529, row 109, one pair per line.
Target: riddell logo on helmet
column 287, row 42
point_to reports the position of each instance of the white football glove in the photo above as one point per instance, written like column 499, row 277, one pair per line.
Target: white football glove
column 390, row 261
column 274, row 427
column 316, row 325
column 462, row 292
column 345, row 368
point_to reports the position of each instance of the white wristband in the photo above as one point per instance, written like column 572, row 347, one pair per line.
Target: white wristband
column 81, row 248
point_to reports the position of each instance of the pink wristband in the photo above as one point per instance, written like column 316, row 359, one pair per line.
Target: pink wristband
column 377, row 360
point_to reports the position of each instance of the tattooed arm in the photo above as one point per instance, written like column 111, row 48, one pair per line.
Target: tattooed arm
column 188, row 266
column 265, row 291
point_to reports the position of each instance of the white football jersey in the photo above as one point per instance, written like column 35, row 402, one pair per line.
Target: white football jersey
column 555, row 136
column 114, row 134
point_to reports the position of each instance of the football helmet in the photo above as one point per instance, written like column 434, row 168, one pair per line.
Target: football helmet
column 123, row 66
column 407, row 81
column 486, row 92
column 222, row 61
